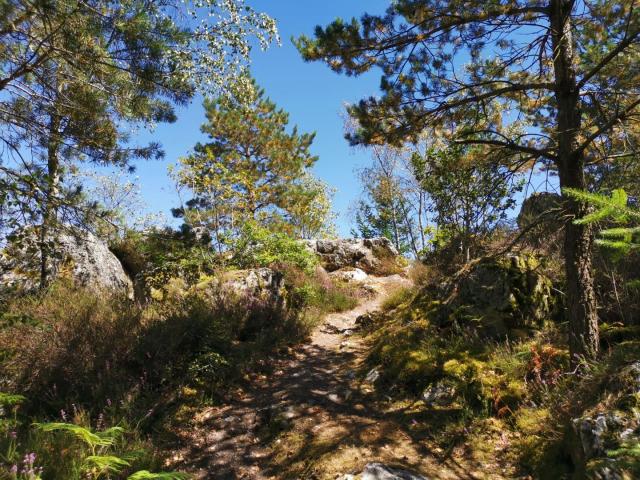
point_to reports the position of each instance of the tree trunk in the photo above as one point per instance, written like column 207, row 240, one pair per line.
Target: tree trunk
column 581, row 302
column 49, row 208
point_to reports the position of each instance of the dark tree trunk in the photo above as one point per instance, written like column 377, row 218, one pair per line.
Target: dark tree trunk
column 49, row 208
column 581, row 302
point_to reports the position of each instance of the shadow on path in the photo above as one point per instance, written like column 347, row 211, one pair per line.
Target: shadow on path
column 309, row 419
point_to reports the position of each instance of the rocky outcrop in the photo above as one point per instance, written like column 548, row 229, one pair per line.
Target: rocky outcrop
column 440, row 394
column 540, row 214
column 499, row 296
column 375, row 256
column 259, row 283
column 601, row 442
column 349, row 275
column 538, row 205
column 84, row 256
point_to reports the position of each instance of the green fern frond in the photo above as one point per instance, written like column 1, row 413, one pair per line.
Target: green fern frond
column 106, row 463
column 146, row 475
column 112, row 433
column 598, row 216
column 613, row 207
column 9, row 400
column 615, row 244
column 620, row 232
column 84, row 434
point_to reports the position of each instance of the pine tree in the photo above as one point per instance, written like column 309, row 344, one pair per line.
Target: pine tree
column 252, row 170
column 563, row 70
column 76, row 74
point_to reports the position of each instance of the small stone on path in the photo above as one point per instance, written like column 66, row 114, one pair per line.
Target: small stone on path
column 378, row 471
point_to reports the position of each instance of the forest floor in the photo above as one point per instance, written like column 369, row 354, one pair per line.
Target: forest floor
column 313, row 417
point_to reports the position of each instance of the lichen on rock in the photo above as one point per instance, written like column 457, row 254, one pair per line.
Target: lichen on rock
column 499, row 296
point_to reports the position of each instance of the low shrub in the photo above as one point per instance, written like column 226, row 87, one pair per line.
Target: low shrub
column 72, row 449
column 260, row 247
column 398, row 297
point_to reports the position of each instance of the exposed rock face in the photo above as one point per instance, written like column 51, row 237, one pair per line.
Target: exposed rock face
column 91, row 264
column 440, row 394
column 260, row 283
column 542, row 208
column 349, row 275
column 500, row 295
column 373, row 255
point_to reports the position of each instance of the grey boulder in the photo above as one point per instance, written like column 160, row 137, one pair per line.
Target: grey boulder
column 89, row 261
column 372, row 255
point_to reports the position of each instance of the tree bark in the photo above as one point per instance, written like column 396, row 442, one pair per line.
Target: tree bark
column 581, row 301
column 49, row 208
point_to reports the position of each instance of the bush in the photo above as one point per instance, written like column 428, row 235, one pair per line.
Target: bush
column 259, row 247
column 71, row 449
column 398, row 297
column 155, row 256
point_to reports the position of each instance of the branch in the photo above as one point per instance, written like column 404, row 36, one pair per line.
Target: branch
column 610, row 56
column 508, row 145
column 607, row 126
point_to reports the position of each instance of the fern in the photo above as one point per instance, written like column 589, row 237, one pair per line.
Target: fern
column 146, row 475
column 9, row 400
column 97, row 466
column 614, row 209
column 105, row 463
column 91, row 439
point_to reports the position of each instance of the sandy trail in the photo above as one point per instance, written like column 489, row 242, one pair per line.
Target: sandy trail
column 309, row 419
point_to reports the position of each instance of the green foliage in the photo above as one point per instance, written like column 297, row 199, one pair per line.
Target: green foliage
column 155, row 256
column 385, row 209
column 252, row 169
column 146, row 475
column 470, row 194
column 9, row 400
column 99, row 455
column 93, row 440
column 613, row 209
column 627, row 456
column 209, row 368
column 257, row 246
column 87, row 70
column 398, row 297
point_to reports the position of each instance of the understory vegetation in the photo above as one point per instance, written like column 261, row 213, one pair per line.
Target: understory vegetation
column 107, row 371
column 503, row 165
column 470, row 377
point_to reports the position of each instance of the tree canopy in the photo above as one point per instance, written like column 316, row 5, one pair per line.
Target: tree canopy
column 252, row 169
column 546, row 80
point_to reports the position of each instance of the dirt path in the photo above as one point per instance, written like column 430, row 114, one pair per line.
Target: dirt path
column 311, row 418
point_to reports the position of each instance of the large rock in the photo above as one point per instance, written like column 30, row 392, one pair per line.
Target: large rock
column 372, row 255
column 499, row 295
column 541, row 215
column 349, row 275
column 82, row 254
column 259, row 284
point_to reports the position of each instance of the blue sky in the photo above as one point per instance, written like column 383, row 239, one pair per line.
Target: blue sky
column 312, row 94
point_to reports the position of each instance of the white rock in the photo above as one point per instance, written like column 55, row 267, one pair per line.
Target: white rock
column 349, row 275
column 372, row 376
column 378, row 471
column 92, row 264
